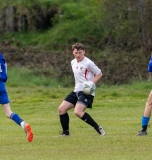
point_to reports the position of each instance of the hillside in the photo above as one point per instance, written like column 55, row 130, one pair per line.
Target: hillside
column 39, row 34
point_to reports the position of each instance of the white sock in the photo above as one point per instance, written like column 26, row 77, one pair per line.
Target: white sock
column 22, row 124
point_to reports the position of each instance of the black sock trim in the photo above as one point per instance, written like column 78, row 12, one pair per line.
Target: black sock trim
column 144, row 128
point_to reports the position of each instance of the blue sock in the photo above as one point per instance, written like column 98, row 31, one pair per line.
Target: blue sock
column 15, row 117
column 145, row 121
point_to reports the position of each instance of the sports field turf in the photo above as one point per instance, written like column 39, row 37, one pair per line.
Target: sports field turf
column 117, row 108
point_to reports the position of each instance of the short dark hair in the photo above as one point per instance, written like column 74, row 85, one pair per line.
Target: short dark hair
column 78, row 46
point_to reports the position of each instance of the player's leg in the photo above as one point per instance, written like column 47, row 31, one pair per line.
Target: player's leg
column 64, row 117
column 16, row 118
column 9, row 114
column 146, row 116
column 4, row 101
column 83, row 103
column 66, row 105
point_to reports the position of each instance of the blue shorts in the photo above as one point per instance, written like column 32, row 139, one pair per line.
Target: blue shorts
column 3, row 94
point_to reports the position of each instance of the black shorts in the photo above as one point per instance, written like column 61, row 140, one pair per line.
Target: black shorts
column 80, row 97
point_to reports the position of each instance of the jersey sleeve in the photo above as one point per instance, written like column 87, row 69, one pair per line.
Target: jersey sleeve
column 94, row 68
column 3, row 69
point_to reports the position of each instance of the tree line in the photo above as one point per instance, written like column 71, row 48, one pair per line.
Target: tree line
column 117, row 33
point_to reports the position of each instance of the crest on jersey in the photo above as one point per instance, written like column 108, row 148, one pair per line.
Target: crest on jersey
column 81, row 68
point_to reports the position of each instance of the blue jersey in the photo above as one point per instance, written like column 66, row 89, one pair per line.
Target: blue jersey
column 3, row 78
column 150, row 65
column 3, row 69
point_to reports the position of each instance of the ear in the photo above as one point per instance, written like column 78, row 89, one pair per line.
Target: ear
column 73, row 52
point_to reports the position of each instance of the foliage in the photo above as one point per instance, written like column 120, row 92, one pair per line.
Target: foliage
column 117, row 23
column 71, row 22
column 112, row 31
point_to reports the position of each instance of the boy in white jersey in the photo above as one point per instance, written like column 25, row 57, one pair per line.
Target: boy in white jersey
column 84, row 70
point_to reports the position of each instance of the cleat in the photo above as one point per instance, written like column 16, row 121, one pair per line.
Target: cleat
column 101, row 131
column 142, row 133
column 64, row 133
column 28, row 132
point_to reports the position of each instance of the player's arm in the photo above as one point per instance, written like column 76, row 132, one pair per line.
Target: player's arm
column 97, row 77
column 97, row 72
column 3, row 69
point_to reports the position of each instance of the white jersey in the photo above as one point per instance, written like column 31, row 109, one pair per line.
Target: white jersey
column 83, row 71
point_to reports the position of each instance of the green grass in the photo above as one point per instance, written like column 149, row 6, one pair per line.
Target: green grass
column 24, row 77
column 117, row 108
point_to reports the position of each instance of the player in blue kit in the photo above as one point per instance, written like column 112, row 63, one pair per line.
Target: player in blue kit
column 4, row 101
column 84, row 70
column 148, row 107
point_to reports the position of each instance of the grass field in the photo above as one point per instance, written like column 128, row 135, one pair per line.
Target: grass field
column 117, row 108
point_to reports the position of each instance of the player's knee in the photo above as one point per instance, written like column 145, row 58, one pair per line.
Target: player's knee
column 61, row 110
column 78, row 114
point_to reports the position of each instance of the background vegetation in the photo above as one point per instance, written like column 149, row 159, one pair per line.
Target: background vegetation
column 38, row 35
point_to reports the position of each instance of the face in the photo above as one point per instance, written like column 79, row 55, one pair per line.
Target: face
column 78, row 54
